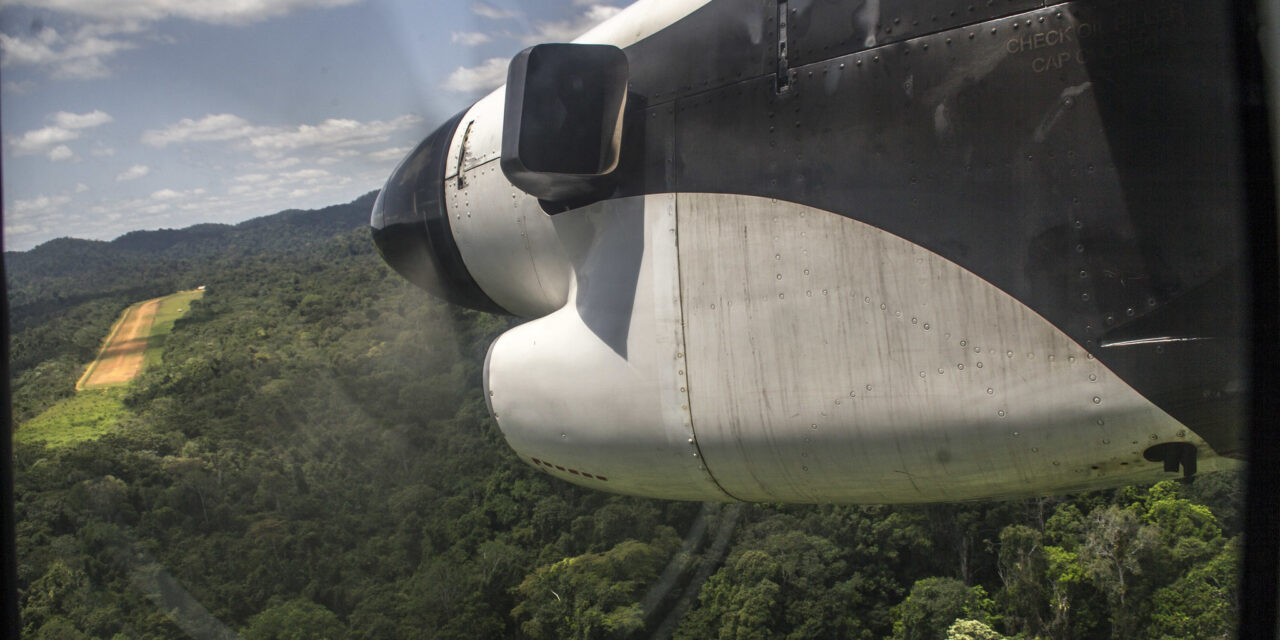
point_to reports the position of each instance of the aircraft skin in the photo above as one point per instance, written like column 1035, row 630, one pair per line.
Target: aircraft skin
column 856, row 251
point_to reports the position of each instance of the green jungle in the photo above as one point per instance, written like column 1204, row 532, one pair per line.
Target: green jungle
column 311, row 457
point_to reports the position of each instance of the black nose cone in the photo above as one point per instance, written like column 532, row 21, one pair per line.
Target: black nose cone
column 410, row 225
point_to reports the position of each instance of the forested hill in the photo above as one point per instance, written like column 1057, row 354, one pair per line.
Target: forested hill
column 68, row 269
column 65, row 293
column 311, row 457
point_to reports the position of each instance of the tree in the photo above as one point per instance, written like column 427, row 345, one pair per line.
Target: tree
column 298, row 619
column 1116, row 542
column 933, row 604
column 1023, row 571
column 594, row 595
column 971, row 630
column 1204, row 604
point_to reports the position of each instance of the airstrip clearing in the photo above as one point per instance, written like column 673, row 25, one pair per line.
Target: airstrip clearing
column 135, row 341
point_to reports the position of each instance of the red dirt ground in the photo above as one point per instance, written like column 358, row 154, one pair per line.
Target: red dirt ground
column 121, row 358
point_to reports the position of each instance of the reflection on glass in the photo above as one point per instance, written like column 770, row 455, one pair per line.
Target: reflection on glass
column 254, row 427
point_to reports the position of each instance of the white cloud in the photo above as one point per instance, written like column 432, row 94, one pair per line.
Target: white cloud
column 101, row 150
column 49, row 139
column 18, row 88
column 80, row 120
column 491, row 12
column 469, row 38
column 133, row 173
column 270, row 143
column 40, row 204
column 250, row 178
column 83, row 55
column 392, row 154
column 81, row 187
column 165, row 195
column 208, row 11
column 490, row 75
column 40, row 139
column 61, row 152
column 305, row 174
column 337, row 155
column 332, row 132
column 567, row 30
column 222, row 126
column 273, row 164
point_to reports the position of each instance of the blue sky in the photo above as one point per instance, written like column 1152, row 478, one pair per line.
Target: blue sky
column 145, row 114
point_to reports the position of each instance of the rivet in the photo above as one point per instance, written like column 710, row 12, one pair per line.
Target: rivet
column 1097, row 400
column 990, row 391
column 979, row 364
column 1001, row 412
column 1035, row 449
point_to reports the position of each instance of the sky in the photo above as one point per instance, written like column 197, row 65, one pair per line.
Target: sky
column 147, row 114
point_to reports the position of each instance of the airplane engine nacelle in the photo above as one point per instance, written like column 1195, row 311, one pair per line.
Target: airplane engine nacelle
column 765, row 260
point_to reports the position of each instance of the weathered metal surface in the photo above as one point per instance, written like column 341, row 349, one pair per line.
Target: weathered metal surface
column 830, row 361
column 598, row 387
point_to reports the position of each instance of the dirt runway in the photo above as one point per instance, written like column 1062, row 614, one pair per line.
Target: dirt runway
column 121, row 358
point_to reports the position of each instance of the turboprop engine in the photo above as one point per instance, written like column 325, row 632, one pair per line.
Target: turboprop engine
column 848, row 252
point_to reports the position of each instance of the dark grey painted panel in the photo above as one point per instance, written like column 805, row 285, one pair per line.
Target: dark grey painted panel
column 720, row 43
column 823, row 29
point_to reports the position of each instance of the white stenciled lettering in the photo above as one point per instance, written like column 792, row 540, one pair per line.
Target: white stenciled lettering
column 1031, row 42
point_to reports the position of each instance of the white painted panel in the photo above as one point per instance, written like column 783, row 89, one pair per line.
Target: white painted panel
column 830, row 361
column 508, row 242
column 639, row 21
column 597, row 388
